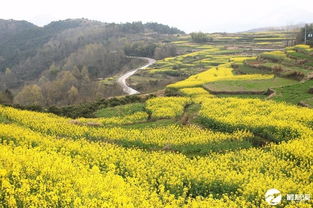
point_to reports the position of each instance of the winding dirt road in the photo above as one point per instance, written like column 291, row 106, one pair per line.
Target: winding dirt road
column 122, row 79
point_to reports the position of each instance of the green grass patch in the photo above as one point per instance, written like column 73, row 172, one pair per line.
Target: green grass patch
column 299, row 55
column 151, row 124
column 4, row 120
column 121, row 110
column 244, row 69
column 309, row 101
column 294, row 93
column 276, row 56
column 242, row 96
column 249, row 85
column 193, row 108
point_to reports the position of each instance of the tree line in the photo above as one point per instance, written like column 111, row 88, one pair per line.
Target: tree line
column 306, row 30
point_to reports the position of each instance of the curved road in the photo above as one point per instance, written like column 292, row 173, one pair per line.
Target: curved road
column 122, row 79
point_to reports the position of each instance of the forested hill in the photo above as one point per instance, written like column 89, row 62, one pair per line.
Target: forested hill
column 20, row 40
column 72, row 50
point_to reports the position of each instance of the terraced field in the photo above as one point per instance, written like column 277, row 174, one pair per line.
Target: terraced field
column 275, row 74
column 196, row 57
column 208, row 143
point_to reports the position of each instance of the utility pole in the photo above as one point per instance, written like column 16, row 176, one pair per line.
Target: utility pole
column 305, row 34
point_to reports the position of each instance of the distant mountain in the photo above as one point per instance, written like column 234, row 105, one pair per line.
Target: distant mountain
column 12, row 27
column 20, row 40
column 278, row 28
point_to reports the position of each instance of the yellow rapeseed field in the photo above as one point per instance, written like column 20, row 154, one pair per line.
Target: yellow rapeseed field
column 191, row 151
column 48, row 161
column 222, row 72
column 167, row 107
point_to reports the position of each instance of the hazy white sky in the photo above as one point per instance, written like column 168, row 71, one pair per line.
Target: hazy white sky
column 191, row 15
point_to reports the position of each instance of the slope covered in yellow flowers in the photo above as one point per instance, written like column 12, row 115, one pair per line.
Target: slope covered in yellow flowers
column 191, row 150
column 48, row 160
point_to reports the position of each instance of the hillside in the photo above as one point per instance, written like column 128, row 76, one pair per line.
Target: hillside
column 71, row 56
